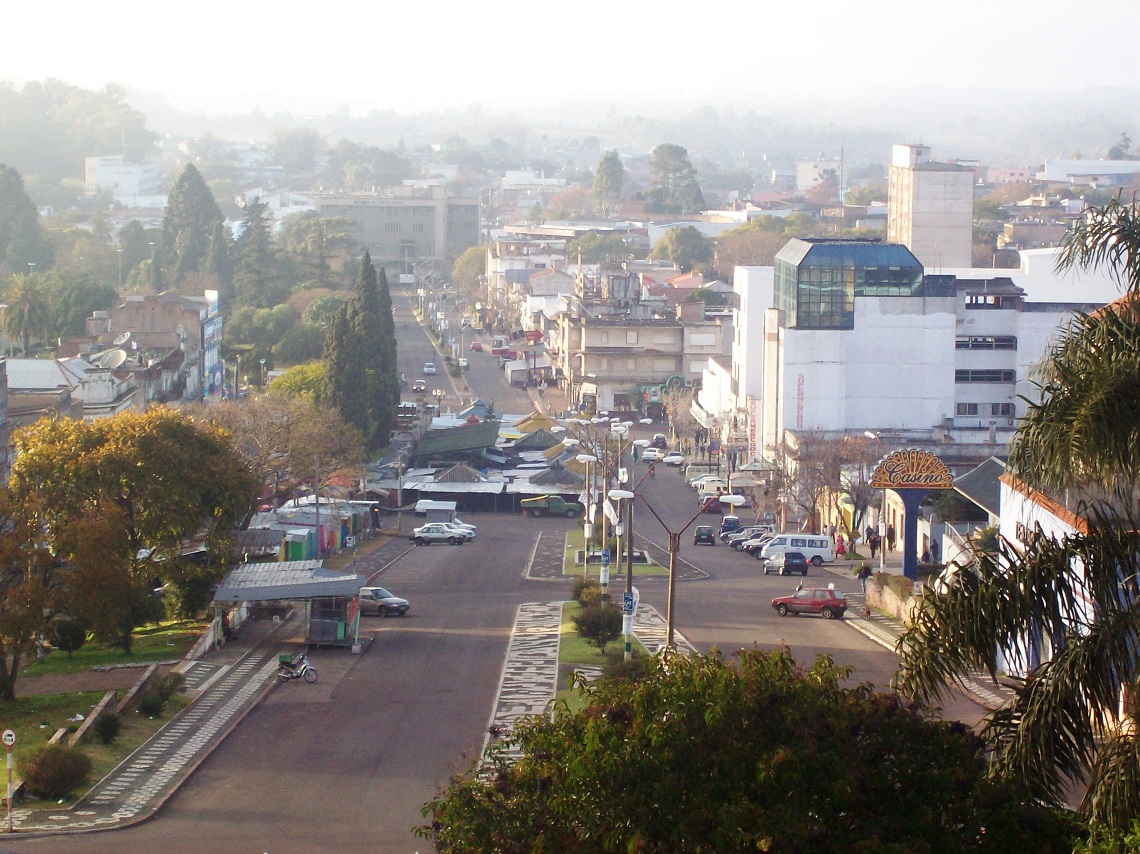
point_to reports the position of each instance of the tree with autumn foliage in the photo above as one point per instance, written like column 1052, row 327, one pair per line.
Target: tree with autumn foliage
column 27, row 586
column 120, row 497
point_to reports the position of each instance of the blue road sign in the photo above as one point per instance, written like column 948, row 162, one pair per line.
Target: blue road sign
column 627, row 602
column 606, row 556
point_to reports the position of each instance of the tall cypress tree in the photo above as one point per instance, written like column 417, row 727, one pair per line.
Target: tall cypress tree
column 388, row 391
column 22, row 238
column 345, row 375
column 364, row 316
column 219, row 264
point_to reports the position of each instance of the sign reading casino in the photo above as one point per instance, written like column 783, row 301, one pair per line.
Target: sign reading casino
column 912, row 469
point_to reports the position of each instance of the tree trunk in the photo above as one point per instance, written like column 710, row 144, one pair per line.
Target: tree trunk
column 8, row 677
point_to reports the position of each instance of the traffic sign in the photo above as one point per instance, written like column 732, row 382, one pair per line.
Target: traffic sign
column 606, row 556
column 9, row 737
column 627, row 602
column 350, row 542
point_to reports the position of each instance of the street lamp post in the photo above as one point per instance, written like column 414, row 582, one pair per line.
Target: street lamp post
column 262, row 374
column 588, row 524
column 628, row 605
column 120, row 252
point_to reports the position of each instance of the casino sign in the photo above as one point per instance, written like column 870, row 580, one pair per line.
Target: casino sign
column 911, row 469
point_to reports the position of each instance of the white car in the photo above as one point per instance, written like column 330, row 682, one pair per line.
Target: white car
column 467, row 530
column 438, row 532
column 708, row 483
column 652, row 454
column 429, row 368
column 674, row 458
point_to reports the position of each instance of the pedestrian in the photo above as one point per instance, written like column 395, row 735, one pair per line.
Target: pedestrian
column 864, row 574
column 934, row 551
column 840, row 546
column 891, row 537
column 870, row 532
column 925, row 558
column 873, row 542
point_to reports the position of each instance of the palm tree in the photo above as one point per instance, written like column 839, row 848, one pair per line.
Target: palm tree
column 28, row 309
column 1074, row 601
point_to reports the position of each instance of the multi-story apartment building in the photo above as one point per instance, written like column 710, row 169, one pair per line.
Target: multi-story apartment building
column 930, row 207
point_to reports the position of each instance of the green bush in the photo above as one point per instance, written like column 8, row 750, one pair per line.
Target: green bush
column 150, row 703
column 53, row 770
column 168, row 685
column 107, row 728
column 581, row 584
column 616, row 667
column 599, row 624
column 68, row 634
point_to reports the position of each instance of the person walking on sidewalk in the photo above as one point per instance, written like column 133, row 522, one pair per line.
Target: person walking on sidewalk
column 873, row 542
column 864, row 574
column 890, row 538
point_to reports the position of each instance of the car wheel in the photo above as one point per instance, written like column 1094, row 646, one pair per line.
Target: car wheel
column 570, row 514
column 765, row 570
column 756, row 554
column 827, row 614
column 816, row 560
column 420, row 541
column 535, row 513
column 452, row 540
column 783, row 570
column 804, row 573
column 782, row 609
column 383, row 611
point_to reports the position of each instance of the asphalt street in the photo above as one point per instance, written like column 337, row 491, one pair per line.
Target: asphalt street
column 347, row 764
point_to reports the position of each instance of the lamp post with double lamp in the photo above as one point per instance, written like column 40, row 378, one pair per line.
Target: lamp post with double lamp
column 675, row 549
column 588, row 519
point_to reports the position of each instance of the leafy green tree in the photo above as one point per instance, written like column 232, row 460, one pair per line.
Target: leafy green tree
column 191, row 216
column 701, row 754
column 608, row 178
column 300, row 381
column 321, row 311
column 685, row 246
column 219, row 263
column 387, row 379
column 1122, row 149
column 304, row 343
column 317, row 247
column 468, row 267
column 867, row 194
column 28, row 314
column 296, row 149
column 595, row 247
column 599, row 624
column 1076, row 596
column 675, row 188
column 28, row 586
column 73, row 300
column 118, row 498
column 22, row 238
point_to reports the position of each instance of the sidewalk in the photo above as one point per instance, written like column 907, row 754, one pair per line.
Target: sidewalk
column 888, row 631
column 224, row 687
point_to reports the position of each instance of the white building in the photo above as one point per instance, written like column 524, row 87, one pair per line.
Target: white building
column 1098, row 172
column 134, row 185
column 852, row 336
column 809, row 173
column 930, row 207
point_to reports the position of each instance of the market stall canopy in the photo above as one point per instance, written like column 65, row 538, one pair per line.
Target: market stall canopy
column 297, row 579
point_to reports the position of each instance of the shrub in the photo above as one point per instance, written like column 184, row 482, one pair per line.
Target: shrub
column 581, row 584
column 107, row 728
column 53, row 770
column 151, row 704
column 599, row 624
column 616, row 667
column 168, row 685
column 68, row 634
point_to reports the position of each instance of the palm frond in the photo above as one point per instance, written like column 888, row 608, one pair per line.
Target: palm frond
column 1108, row 236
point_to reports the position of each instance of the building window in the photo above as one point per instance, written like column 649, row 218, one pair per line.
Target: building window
column 987, row 301
column 963, row 410
column 631, row 336
column 996, row 342
column 985, row 376
column 1001, row 410
column 605, row 337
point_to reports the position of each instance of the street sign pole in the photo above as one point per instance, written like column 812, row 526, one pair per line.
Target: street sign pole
column 9, row 738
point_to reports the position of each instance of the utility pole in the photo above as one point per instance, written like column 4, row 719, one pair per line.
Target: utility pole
column 317, row 495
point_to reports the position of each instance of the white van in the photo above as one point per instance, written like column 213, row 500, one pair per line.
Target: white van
column 815, row 548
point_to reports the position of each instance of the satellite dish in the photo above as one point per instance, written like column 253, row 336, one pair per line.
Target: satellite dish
column 112, row 358
column 122, row 338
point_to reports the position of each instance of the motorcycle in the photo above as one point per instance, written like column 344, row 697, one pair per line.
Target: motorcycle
column 295, row 668
column 403, row 380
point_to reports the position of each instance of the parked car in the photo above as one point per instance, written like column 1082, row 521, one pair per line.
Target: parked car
column 828, row 602
column 710, row 483
column 756, row 544
column 651, row 455
column 747, row 532
column 728, row 524
column 551, row 505
column 819, row 550
column 467, row 530
column 785, row 563
column 660, row 441
column 703, row 534
column 476, row 347
column 429, row 369
column 419, row 385
column 674, row 458
column 377, row 600
column 437, row 532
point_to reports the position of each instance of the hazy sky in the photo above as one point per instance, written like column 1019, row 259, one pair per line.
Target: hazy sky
column 220, row 57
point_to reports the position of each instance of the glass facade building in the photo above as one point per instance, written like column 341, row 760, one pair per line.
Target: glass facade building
column 817, row 279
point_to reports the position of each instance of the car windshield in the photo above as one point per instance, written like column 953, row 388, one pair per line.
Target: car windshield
column 381, row 593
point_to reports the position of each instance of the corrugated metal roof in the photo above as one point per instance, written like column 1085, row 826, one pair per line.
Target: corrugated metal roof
column 296, row 579
column 37, row 374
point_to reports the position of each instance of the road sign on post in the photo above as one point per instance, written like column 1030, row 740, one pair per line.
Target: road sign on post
column 606, row 557
column 9, row 739
column 627, row 602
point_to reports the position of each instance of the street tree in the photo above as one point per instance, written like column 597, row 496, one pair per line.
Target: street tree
column 28, row 586
column 257, row 279
column 467, row 269
column 188, row 224
column 608, row 179
column 387, row 396
column 345, row 373
column 675, row 188
column 753, row 244
column 678, row 403
column 595, row 248
column 125, row 493
column 757, row 754
column 811, row 468
column 28, row 314
column 1076, row 596
column 685, row 246
column 599, row 624
column 22, row 238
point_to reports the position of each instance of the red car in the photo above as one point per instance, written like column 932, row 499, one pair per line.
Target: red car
column 828, row 602
column 476, row 347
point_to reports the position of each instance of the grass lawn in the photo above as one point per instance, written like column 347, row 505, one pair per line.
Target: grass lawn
column 575, row 541
column 35, row 720
column 163, row 642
